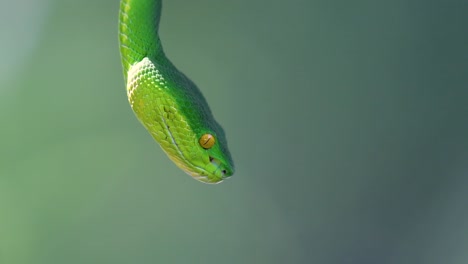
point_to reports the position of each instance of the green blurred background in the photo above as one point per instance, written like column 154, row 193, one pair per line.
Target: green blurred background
column 347, row 121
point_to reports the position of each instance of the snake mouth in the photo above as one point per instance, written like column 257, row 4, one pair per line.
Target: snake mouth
column 213, row 173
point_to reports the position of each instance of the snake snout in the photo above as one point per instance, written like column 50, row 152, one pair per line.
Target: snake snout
column 220, row 168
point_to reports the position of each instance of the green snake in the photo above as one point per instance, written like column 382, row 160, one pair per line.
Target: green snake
column 165, row 101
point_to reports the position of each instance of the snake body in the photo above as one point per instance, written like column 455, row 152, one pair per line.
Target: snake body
column 167, row 103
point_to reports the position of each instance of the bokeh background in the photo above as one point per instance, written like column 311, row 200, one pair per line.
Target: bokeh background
column 347, row 121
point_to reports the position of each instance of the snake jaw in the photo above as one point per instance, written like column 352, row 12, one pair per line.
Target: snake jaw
column 214, row 172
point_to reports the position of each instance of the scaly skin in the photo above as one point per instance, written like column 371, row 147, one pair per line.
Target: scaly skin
column 167, row 103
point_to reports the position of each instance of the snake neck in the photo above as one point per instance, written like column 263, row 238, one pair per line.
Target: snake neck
column 138, row 31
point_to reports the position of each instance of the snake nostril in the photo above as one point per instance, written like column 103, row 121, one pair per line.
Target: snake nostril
column 211, row 159
column 224, row 172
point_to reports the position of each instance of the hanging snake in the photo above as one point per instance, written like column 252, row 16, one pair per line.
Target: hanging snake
column 165, row 101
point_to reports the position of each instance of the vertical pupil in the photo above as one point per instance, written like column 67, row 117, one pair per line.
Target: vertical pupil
column 207, row 141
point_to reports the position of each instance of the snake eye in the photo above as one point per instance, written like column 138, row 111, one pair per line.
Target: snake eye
column 207, row 141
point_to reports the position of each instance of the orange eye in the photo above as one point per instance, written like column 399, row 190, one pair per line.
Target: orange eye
column 207, row 141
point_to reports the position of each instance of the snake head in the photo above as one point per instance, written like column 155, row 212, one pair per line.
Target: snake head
column 177, row 116
column 208, row 160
